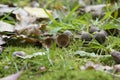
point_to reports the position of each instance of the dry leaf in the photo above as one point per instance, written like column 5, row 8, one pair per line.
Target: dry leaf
column 25, row 19
column 5, row 27
column 19, row 54
column 2, row 41
column 85, row 54
column 90, row 65
column 34, row 29
column 37, row 12
column 13, row 76
column 117, row 68
column 25, row 39
column 29, row 30
column 96, row 10
column 14, row 9
column 25, row 56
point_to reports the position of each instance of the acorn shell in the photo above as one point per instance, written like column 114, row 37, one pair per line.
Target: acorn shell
column 48, row 42
column 63, row 40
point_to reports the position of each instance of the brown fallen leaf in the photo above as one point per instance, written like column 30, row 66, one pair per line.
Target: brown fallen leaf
column 34, row 30
column 13, row 76
column 28, row 40
column 29, row 30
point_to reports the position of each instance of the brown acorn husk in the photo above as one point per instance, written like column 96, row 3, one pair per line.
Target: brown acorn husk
column 63, row 40
column 48, row 42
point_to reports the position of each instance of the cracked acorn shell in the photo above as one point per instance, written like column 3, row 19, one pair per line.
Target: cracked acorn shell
column 63, row 40
column 48, row 42
column 85, row 36
column 100, row 36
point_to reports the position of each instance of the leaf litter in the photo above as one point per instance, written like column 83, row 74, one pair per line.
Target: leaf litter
column 28, row 30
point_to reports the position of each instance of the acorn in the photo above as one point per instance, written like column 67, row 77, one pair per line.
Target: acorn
column 63, row 40
column 48, row 42
column 113, row 31
column 115, row 55
column 93, row 29
column 85, row 36
column 100, row 36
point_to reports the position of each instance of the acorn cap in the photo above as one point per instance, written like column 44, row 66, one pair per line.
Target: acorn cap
column 48, row 42
column 85, row 36
column 62, row 40
column 100, row 37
